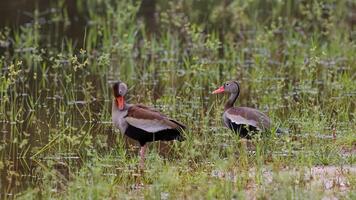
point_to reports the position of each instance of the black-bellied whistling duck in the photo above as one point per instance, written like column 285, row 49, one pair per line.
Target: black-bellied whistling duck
column 142, row 123
column 242, row 120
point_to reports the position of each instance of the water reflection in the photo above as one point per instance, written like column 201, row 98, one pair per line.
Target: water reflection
column 49, row 14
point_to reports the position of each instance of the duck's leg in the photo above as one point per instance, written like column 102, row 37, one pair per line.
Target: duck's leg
column 142, row 156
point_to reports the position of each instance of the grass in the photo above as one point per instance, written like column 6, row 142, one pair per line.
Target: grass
column 295, row 63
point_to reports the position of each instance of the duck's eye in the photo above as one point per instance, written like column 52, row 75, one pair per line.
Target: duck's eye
column 227, row 84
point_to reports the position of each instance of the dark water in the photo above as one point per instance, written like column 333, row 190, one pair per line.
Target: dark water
column 31, row 129
column 24, row 12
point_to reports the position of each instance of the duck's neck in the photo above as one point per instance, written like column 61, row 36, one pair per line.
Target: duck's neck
column 231, row 101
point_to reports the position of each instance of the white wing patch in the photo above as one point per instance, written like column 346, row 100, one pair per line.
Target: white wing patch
column 237, row 119
column 148, row 125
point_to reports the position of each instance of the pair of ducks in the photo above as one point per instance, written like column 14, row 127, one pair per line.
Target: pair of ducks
column 145, row 124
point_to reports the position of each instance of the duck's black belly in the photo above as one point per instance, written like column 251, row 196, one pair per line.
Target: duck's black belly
column 143, row 136
column 244, row 130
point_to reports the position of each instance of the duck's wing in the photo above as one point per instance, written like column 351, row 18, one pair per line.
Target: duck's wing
column 248, row 116
column 150, row 120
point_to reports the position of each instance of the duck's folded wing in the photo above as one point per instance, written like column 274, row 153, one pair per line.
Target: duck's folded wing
column 248, row 116
column 183, row 126
column 148, row 108
column 149, row 120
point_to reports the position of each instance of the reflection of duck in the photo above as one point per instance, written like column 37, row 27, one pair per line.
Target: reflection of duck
column 242, row 120
column 142, row 123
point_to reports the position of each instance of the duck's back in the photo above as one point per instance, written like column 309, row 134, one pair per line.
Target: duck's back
column 236, row 117
column 146, row 125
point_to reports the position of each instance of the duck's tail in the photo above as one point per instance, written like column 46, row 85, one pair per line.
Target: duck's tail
column 280, row 132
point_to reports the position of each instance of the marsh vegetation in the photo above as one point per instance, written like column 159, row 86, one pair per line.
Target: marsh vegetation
column 294, row 60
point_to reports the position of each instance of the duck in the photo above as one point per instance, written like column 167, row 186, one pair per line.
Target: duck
column 244, row 121
column 142, row 123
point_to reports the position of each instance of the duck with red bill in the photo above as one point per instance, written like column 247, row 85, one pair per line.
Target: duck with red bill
column 142, row 123
column 242, row 120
